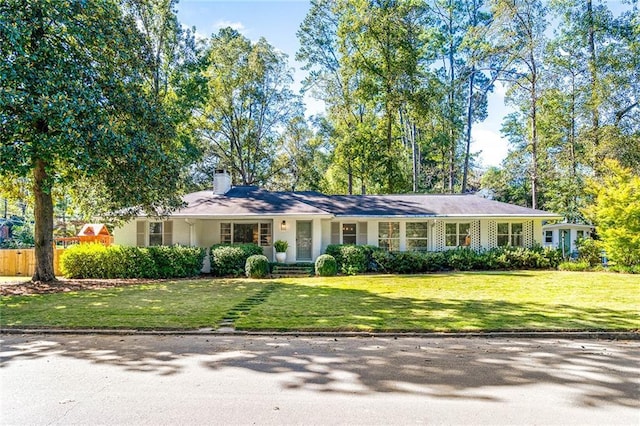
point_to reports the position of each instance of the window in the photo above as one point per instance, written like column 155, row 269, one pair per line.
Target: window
column 155, row 233
column 417, row 236
column 243, row 233
column 349, row 235
column 265, row 234
column 510, row 234
column 548, row 237
column 457, row 234
column 225, row 233
column 389, row 236
column 579, row 235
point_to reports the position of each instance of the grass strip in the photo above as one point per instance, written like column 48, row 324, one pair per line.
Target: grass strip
column 485, row 301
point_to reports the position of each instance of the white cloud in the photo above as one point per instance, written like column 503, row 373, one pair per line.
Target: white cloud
column 238, row 26
column 494, row 147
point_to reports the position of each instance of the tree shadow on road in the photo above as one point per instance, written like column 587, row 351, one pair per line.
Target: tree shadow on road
column 597, row 372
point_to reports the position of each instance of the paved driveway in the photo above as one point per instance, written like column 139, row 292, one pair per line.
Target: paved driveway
column 89, row 379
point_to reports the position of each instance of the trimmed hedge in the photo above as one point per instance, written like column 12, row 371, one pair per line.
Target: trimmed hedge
column 97, row 261
column 326, row 265
column 465, row 259
column 230, row 260
column 574, row 266
column 257, row 266
column 355, row 259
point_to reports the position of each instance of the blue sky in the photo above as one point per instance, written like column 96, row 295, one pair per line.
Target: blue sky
column 278, row 21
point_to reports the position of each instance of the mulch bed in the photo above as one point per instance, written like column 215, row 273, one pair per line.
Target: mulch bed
column 65, row 285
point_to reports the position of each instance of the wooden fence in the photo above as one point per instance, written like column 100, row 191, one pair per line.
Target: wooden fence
column 22, row 262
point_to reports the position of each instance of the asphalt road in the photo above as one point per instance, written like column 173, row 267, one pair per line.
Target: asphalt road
column 279, row 380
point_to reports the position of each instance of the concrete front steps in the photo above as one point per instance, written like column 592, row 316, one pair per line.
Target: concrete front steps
column 292, row 270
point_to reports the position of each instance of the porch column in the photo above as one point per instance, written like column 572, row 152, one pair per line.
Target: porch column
column 316, row 238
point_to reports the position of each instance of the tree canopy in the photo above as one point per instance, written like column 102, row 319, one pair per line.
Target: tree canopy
column 114, row 101
column 74, row 105
column 246, row 101
column 616, row 212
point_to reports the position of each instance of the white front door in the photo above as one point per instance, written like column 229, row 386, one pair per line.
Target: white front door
column 304, row 240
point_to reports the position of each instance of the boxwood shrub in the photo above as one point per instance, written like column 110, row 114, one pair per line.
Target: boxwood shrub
column 353, row 259
column 97, row 261
column 230, row 260
column 257, row 266
column 326, row 266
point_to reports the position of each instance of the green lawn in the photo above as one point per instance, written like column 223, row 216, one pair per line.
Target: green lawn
column 522, row 300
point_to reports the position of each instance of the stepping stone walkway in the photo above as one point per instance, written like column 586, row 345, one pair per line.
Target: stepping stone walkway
column 243, row 308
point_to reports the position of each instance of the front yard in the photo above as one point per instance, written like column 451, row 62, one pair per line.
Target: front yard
column 478, row 301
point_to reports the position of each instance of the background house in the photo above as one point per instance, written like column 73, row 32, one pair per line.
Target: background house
column 565, row 235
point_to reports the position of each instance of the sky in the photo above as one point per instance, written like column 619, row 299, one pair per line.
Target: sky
column 278, row 21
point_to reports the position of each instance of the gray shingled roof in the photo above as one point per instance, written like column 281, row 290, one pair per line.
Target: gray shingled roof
column 416, row 205
column 251, row 201
column 246, row 201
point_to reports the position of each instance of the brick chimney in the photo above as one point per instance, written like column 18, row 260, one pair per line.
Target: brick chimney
column 221, row 182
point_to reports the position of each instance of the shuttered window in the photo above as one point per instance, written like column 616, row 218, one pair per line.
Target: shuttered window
column 154, row 233
column 349, row 234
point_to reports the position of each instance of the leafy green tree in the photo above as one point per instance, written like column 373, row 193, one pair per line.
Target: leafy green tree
column 521, row 25
column 384, row 38
column 616, row 212
column 506, row 184
column 247, row 99
column 302, row 159
column 74, row 106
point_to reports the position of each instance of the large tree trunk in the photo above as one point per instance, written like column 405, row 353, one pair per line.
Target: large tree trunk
column 534, row 143
column 593, row 75
column 43, row 212
column 467, row 154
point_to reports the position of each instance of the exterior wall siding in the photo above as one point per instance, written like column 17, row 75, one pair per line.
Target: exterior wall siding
column 206, row 232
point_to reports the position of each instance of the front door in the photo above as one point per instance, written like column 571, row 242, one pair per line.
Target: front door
column 303, row 240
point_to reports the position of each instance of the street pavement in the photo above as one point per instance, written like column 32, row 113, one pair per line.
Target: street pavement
column 322, row 380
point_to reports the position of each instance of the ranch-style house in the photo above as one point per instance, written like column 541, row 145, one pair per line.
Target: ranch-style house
column 310, row 221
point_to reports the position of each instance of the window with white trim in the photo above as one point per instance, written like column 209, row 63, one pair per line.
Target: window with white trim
column 389, row 236
column 225, row 233
column 349, row 234
column 510, row 234
column 242, row 233
column 155, row 233
column 265, row 234
column 548, row 237
column 458, row 234
column 416, row 233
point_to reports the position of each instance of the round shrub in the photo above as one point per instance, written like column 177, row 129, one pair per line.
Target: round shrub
column 257, row 266
column 326, row 266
